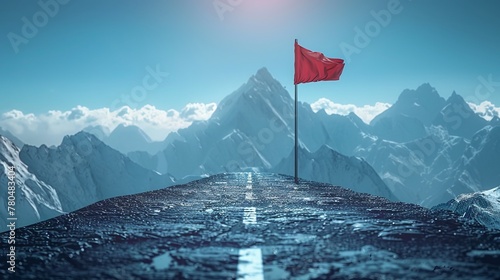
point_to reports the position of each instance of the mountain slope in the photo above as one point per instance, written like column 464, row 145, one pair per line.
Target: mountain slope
column 343, row 133
column 12, row 138
column 84, row 170
column 34, row 199
column 416, row 170
column 476, row 170
column 481, row 207
column 99, row 131
column 458, row 118
column 328, row 166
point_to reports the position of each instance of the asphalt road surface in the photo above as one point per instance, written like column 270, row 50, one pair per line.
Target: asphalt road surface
column 254, row 226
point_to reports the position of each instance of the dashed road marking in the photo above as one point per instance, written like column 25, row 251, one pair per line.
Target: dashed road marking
column 250, row 264
column 250, row 216
column 250, row 260
column 249, row 196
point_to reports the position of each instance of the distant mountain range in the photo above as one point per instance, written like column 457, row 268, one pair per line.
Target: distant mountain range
column 424, row 149
column 416, row 146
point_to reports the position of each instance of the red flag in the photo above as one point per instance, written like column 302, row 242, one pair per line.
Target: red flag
column 314, row 66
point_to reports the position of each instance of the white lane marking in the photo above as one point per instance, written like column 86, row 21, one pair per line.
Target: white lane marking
column 250, row 264
column 249, row 196
column 249, row 215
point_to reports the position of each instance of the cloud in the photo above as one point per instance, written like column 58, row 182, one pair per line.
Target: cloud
column 198, row 111
column 486, row 109
column 366, row 112
column 49, row 128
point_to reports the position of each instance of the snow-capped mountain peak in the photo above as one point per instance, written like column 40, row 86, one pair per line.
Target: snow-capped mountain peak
column 35, row 200
column 423, row 104
column 260, row 91
column 264, row 76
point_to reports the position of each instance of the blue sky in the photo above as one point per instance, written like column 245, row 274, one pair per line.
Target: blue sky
column 91, row 53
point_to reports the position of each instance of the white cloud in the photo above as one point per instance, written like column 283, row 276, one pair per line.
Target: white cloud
column 198, row 111
column 486, row 109
column 49, row 128
column 366, row 112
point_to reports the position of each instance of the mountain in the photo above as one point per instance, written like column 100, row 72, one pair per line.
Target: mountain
column 495, row 121
column 343, row 133
column 412, row 145
column 476, row 170
column 399, row 128
column 252, row 127
column 136, row 140
column 481, row 207
column 328, row 166
column 424, row 150
column 416, row 170
column 263, row 111
column 423, row 104
column 397, row 166
column 458, row 118
column 34, row 199
column 11, row 137
column 99, row 131
column 439, row 167
column 84, row 170
column 407, row 118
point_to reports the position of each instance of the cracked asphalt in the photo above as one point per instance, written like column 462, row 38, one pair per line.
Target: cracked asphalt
column 254, row 226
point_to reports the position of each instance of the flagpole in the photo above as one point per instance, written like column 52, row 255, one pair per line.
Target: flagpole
column 296, row 139
column 296, row 134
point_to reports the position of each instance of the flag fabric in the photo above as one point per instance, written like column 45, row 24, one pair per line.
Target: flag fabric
column 314, row 66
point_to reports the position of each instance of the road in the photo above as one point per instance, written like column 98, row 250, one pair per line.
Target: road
column 254, row 226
